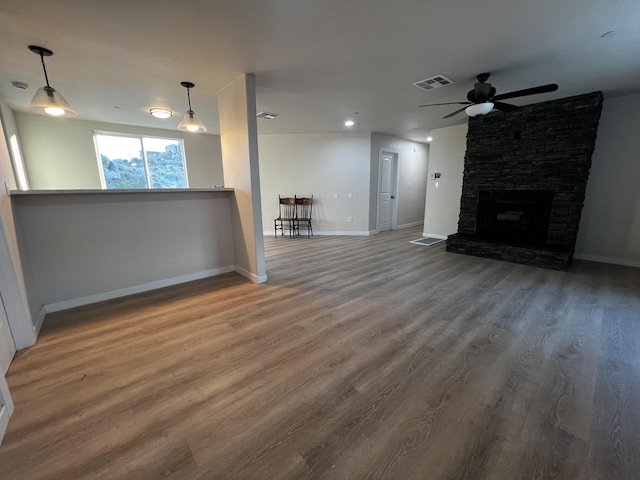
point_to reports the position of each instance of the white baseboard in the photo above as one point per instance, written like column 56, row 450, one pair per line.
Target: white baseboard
column 251, row 276
column 123, row 292
column 598, row 258
column 435, row 235
column 407, row 225
column 355, row 233
column 269, row 233
column 39, row 321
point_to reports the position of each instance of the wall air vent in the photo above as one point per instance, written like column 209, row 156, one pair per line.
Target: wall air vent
column 433, row 82
column 267, row 115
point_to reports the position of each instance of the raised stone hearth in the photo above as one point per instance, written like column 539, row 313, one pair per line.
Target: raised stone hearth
column 557, row 259
column 542, row 150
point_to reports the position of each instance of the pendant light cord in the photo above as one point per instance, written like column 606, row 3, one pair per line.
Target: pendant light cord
column 46, row 77
column 189, row 98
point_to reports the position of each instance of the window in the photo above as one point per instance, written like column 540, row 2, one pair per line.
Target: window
column 140, row 162
column 18, row 164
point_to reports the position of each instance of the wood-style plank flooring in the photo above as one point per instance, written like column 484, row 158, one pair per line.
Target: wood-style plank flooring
column 361, row 358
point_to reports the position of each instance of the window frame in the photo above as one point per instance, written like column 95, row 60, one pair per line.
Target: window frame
column 140, row 137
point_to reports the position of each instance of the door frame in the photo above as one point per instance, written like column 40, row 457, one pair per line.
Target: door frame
column 394, row 185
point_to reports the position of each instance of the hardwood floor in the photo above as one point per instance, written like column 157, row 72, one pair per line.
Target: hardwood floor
column 361, row 358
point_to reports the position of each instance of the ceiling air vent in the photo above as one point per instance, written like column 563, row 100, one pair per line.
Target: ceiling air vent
column 433, row 82
column 267, row 115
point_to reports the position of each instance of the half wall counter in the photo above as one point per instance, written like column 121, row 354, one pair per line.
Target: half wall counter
column 85, row 246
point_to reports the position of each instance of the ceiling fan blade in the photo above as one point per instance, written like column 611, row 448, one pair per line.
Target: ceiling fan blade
column 448, row 103
column 504, row 107
column 455, row 113
column 552, row 87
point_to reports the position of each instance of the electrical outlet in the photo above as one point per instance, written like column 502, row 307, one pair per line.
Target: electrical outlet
column 349, row 219
column 335, row 195
column 349, row 195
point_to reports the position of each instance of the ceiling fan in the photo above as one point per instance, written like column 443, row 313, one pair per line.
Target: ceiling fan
column 482, row 99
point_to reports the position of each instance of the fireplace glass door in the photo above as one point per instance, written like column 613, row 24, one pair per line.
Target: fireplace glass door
column 519, row 217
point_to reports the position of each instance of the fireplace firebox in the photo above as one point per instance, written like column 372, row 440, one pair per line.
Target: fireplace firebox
column 518, row 217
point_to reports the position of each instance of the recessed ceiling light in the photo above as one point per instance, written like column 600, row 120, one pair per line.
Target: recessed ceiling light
column 160, row 112
column 349, row 123
column 429, row 139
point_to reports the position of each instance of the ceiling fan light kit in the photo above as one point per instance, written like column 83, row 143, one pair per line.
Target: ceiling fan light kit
column 479, row 109
column 483, row 99
column 48, row 98
column 190, row 122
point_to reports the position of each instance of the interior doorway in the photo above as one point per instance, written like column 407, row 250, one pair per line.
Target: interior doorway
column 387, row 205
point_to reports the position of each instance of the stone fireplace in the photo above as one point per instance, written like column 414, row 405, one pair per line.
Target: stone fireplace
column 525, row 177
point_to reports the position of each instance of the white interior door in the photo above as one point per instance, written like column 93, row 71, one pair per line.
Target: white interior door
column 386, row 190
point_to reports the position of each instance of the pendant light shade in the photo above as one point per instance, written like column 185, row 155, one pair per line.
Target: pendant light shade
column 48, row 98
column 190, row 122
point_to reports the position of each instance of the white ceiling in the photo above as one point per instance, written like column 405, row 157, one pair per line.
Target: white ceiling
column 316, row 61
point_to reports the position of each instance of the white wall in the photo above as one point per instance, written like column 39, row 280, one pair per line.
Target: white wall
column 89, row 247
column 59, row 153
column 442, row 204
column 411, row 178
column 321, row 165
column 610, row 223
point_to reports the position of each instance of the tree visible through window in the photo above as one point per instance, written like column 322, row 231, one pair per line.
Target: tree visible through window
column 140, row 162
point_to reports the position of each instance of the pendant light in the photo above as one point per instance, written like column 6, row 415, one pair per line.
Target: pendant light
column 47, row 97
column 190, row 122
